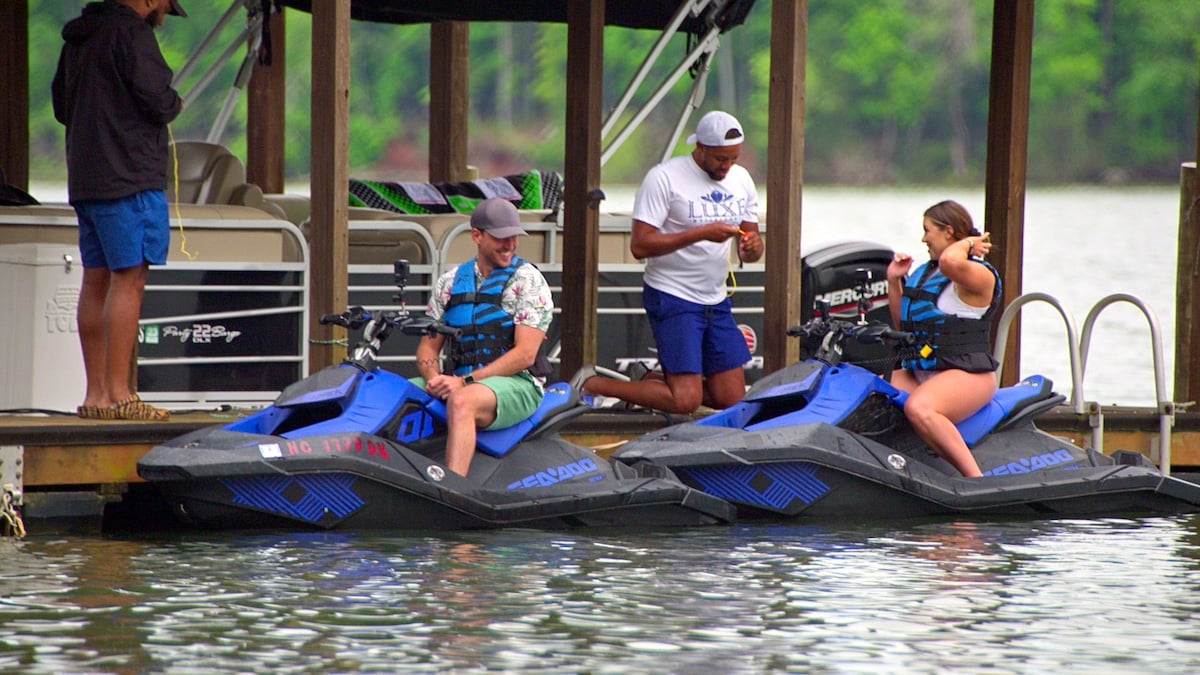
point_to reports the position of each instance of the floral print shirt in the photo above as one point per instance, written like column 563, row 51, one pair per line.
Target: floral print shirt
column 526, row 297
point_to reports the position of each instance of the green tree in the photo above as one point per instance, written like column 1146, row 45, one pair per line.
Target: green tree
column 897, row 90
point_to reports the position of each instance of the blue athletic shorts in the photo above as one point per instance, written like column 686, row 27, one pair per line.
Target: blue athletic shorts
column 694, row 338
column 121, row 233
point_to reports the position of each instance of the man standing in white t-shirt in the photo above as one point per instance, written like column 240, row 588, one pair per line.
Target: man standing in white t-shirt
column 686, row 212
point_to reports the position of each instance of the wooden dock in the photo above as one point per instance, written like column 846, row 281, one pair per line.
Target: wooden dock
column 68, row 473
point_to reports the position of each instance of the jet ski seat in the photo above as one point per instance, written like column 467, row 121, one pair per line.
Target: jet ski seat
column 560, row 405
column 1028, row 398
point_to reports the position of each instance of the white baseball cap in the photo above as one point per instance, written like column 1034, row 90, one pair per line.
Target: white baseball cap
column 717, row 129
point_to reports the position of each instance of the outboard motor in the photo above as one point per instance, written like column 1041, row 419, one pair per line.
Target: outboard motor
column 848, row 280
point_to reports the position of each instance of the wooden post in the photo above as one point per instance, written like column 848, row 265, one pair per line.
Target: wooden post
column 1187, row 275
column 581, row 185
column 1007, row 145
column 785, row 182
column 265, row 122
column 1187, row 278
column 329, row 240
column 14, row 82
column 449, row 100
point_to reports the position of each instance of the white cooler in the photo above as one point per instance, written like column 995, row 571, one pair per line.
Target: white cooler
column 41, row 365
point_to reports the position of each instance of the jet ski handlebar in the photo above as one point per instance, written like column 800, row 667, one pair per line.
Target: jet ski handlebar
column 357, row 317
column 877, row 331
column 377, row 326
column 825, row 337
column 424, row 325
column 871, row 331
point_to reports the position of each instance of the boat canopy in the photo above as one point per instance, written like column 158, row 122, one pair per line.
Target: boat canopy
column 704, row 21
column 656, row 14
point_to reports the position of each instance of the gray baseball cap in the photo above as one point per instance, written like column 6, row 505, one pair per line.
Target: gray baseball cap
column 498, row 217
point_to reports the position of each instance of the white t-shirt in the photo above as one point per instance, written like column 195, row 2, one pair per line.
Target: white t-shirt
column 677, row 196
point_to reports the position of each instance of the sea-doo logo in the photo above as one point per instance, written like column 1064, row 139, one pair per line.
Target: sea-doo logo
column 1033, row 463
column 554, row 475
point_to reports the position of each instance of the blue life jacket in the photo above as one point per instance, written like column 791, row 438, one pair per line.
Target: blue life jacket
column 488, row 330
column 945, row 341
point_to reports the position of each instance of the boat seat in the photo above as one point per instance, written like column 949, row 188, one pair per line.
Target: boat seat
column 391, row 240
column 209, row 173
column 296, row 208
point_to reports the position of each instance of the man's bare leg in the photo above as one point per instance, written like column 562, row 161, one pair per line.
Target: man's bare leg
column 93, row 296
column 725, row 389
column 677, row 393
column 121, row 313
column 470, row 408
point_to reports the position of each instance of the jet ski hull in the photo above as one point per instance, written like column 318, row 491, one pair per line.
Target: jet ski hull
column 221, row 479
column 819, row 472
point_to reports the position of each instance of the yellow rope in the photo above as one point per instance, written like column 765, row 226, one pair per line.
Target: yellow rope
column 178, row 213
column 741, row 265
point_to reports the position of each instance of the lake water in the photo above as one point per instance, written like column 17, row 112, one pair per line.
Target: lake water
column 944, row 596
column 1094, row 596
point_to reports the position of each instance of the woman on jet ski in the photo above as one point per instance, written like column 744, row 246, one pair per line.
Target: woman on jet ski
column 948, row 303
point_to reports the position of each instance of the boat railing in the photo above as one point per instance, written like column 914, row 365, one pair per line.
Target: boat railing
column 247, row 286
column 374, row 247
column 1164, row 406
column 224, row 321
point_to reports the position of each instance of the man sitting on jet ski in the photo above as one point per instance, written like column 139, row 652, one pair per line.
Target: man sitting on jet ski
column 948, row 303
column 494, row 372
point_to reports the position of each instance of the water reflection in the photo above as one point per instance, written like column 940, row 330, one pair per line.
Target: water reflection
column 1095, row 595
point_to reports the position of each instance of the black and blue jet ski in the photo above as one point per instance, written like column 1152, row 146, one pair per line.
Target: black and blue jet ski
column 358, row 447
column 826, row 439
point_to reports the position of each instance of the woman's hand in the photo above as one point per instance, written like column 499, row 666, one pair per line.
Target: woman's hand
column 899, row 267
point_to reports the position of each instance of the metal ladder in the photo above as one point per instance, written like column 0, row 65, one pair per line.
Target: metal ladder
column 1078, row 349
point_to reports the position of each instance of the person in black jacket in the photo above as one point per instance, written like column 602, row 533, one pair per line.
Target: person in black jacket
column 112, row 91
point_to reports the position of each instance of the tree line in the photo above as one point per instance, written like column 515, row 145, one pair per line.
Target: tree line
column 896, row 91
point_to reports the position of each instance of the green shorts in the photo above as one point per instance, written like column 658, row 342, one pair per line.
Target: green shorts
column 517, row 397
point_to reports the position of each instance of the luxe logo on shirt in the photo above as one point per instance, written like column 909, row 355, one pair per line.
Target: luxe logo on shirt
column 715, row 206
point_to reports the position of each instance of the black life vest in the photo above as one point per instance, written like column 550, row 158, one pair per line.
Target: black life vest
column 946, row 341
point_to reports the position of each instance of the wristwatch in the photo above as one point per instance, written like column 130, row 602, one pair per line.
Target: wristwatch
column 468, row 379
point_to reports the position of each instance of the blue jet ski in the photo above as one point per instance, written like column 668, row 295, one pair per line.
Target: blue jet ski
column 358, row 447
column 825, row 439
